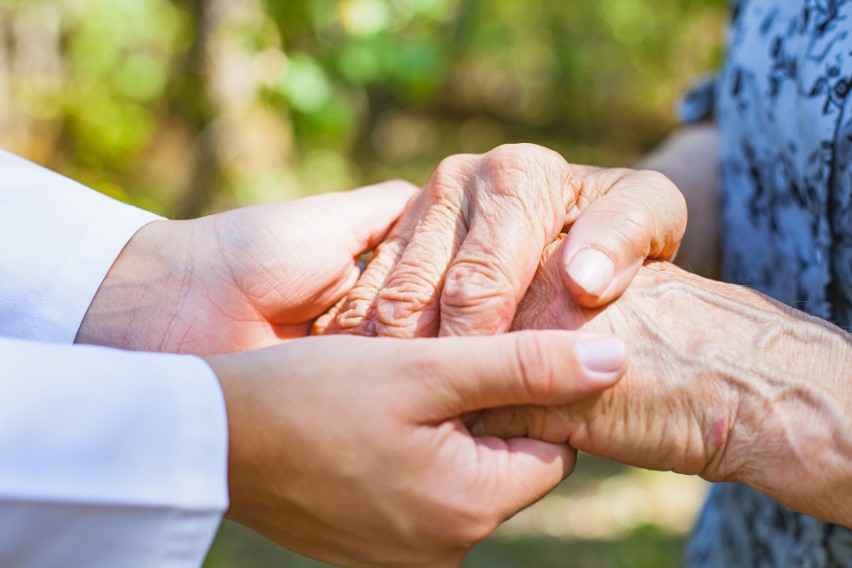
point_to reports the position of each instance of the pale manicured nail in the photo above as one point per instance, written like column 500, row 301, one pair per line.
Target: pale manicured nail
column 601, row 355
column 592, row 271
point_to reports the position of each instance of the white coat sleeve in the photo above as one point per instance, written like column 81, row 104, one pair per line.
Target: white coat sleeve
column 58, row 240
column 107, row 458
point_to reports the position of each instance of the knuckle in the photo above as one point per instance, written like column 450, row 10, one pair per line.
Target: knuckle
column 448, row 180
column 326, row 324
column 357, row 313
column 509, row 167
column 406, row 296
column 524, row 155
column 411, row 289
column 528, row 176
column 535, row 367
column 477, row 296
column 636, row 222
column 355, row 317
column 471, row 281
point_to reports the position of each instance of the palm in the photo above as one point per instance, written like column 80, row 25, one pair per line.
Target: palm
column 260, row 275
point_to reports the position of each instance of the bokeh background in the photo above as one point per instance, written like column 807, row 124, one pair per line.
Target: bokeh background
column 188, row 107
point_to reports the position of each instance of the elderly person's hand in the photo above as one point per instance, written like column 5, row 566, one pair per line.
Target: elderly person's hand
column 466, row 249
column 243, row 279
column 723, row 382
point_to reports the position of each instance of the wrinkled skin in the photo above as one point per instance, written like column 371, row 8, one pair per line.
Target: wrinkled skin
column 684, row 418
column 467, row 247
column 722, row 382
column 667, row 395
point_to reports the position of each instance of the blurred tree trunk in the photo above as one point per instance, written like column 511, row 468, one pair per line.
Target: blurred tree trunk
column 31, row 75
column 243, row 146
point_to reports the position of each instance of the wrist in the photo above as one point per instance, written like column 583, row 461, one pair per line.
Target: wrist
column 783, row 378
column 726, row 354
column 696, row 362
column 136, row 303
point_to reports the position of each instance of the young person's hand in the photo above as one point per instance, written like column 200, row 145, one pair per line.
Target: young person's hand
column 239, row 280
column 351, row 450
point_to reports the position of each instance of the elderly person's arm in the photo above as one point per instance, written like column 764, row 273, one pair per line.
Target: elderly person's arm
column 723, row 382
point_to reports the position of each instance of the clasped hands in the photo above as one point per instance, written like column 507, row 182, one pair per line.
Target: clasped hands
column 405, row 449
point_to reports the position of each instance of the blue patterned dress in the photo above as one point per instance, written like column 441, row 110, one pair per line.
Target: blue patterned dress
column 783, row 109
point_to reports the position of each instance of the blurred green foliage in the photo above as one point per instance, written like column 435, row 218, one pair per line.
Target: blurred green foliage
column 646, row 547
column 197, row 105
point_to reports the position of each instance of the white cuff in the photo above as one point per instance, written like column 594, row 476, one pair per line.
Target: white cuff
column 59, row 239
column 108, row 458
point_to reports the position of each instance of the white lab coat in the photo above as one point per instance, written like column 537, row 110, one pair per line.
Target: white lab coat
column 107, row 458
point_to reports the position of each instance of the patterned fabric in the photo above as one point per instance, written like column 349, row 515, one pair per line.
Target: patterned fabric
column 786, row 138
column 781, row 105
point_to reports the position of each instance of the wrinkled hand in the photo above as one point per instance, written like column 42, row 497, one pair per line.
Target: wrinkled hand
column 668, row 413
column 350, row 449
column 468, row 246
column 242, row 279
column 723, row 382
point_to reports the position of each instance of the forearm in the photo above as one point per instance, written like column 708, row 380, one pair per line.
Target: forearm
column 789, row 431
column 722, row 382
column 689, row 158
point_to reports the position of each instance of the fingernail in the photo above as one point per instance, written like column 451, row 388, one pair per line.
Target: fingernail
column 601, row 354
column 592, row 271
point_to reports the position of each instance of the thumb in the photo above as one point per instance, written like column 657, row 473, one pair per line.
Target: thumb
column 464, row 374
column 322, row 237
column 641, row 215
column 362, row 217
